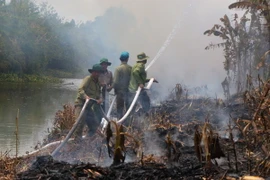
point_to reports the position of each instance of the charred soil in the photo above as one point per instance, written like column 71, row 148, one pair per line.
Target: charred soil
column 180, row 139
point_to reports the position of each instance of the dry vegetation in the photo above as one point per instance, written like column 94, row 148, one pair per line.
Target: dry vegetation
column 186, row 137
column 256, row 131
column 7, row 167
column 182, row 138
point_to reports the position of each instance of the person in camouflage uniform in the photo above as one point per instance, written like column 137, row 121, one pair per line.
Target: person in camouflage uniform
column 138, row 79
column 120, row 84
column 89, row 88
column 105, row 80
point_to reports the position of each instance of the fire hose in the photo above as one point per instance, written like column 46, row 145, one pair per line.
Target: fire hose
column 162, row 49
column 104, row 122
column 62, row 143
column 78, row 120
column 105, row 118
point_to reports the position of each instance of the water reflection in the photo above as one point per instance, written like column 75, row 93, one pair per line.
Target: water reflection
column 37, row 104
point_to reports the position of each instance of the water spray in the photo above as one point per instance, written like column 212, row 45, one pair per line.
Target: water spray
column 159, row 53
column 105, row 120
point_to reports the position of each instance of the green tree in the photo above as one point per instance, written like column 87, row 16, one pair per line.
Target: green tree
column 35, row 40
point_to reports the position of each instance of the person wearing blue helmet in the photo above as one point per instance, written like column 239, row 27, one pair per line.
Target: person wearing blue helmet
column 120, row 84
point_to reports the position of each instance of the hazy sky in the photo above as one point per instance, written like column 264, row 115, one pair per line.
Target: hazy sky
column 185, row 60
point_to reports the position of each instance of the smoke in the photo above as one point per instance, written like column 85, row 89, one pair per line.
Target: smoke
column 145, row 26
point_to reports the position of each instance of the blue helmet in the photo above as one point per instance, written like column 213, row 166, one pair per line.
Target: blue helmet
column 124, row 56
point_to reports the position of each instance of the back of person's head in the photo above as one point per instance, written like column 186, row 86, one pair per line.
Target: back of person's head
column 124, row 56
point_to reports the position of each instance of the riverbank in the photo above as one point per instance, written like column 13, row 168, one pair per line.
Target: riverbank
column 25, row 78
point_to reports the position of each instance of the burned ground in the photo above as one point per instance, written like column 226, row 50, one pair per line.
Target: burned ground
column 188, row 138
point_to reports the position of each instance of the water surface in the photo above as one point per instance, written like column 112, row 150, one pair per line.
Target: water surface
column 37, row 105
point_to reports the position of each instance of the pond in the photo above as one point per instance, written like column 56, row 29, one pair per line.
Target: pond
column 35, row 105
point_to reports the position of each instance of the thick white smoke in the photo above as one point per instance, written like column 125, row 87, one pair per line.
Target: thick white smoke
column 185, row 60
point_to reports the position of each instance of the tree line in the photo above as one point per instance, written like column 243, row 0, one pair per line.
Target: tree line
column 35, row 40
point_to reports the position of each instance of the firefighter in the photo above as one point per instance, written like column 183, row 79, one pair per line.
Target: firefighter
column 138, row 79
column 121, row 83
column 105, row 80
column 89, row 88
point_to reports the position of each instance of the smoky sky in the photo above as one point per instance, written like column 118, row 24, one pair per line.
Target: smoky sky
column 185, row 60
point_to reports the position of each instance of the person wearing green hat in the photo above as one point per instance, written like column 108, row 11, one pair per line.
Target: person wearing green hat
column 120, row 84
column 105, row 80
column 89, row 88
column 138, row 79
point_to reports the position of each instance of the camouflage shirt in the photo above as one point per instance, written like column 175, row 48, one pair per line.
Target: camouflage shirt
column 138, row 76
column 89, row 87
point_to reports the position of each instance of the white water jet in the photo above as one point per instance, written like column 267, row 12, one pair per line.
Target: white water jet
column 104, row 122
column 159, row 53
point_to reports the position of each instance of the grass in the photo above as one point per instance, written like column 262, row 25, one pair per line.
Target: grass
column 25, row 78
